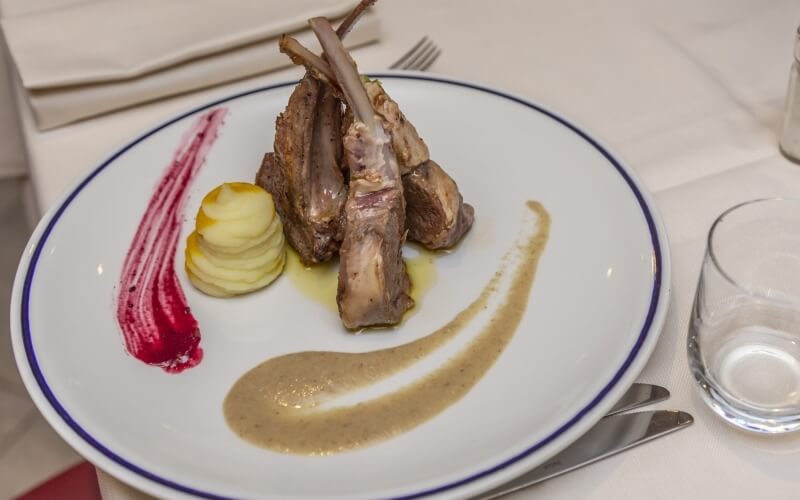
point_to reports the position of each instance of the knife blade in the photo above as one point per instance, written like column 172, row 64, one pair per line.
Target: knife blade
column 611, row 435
column 639, row 395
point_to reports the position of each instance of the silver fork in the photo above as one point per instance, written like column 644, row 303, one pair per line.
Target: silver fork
column 419, row 57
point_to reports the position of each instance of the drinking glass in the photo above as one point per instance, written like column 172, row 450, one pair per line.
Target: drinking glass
column 744, row 333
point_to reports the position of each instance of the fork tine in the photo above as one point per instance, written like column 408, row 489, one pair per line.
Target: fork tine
column 424, row 65
column 422, row 54
column 408, row 54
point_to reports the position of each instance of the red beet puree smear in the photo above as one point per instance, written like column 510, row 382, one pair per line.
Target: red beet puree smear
column 157, row 324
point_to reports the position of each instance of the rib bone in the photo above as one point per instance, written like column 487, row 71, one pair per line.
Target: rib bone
column 373, row 282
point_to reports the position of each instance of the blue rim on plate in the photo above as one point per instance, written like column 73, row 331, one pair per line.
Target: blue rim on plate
column 655, row 296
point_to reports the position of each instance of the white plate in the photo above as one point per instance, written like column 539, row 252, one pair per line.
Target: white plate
column 595, row 313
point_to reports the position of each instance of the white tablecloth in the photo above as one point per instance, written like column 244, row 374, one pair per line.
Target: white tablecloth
column 12, row 156
column 689, row 93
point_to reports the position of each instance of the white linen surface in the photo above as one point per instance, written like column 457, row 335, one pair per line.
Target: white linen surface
column 92, row 57
column 12, row 153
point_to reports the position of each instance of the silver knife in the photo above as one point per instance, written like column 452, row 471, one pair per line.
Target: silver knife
column 639, row 395
column 608, row 437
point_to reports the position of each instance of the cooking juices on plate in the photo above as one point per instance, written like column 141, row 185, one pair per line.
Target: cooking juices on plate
column 319, row 282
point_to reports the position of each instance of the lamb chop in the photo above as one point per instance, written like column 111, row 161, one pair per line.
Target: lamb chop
column 373, row 282
column 436, row 215
column 304, row 173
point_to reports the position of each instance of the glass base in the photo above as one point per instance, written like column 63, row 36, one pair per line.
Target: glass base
column 746, row 421
column 735, row 411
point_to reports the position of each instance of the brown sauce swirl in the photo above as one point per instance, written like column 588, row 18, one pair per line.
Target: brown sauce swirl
column 275, row 404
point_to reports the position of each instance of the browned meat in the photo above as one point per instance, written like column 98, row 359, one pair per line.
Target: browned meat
column 304, row 176
column 269, row 177
column 435, row 213
column 347, row 120
column 373, row 282
column 409, row 147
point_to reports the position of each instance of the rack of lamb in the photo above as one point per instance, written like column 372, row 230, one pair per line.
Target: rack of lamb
column 351, row 176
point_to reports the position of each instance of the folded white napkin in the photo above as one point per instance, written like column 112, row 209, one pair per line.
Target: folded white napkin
column 96, row 56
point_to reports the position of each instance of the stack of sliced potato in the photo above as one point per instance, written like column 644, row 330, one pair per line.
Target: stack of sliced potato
column 237, row 246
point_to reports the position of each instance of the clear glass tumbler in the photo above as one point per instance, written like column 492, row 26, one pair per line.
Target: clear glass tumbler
column 744, row 334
